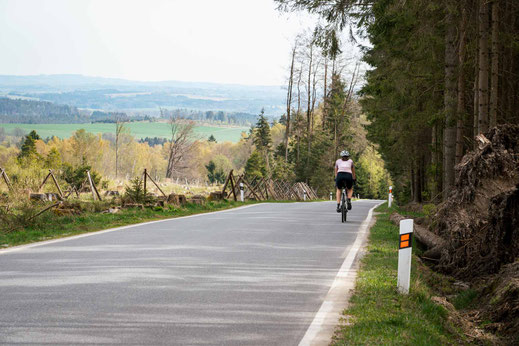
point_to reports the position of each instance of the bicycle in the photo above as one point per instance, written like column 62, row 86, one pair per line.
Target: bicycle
column 344, row 209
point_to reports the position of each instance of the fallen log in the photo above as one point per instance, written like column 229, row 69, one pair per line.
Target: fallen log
column 434, row 243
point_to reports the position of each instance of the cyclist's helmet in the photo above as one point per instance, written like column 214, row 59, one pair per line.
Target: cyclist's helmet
column 345, row 153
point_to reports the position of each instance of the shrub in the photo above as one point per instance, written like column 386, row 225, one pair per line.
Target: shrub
column 135, row 192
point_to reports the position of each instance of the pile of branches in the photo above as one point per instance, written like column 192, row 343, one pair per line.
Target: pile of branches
column 479, row 222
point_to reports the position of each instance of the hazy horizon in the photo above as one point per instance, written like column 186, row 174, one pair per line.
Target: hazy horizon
column 225, row 42
column 136, row 80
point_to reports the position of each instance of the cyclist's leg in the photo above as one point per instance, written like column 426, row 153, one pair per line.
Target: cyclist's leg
column 338, row 194
column 349, row 190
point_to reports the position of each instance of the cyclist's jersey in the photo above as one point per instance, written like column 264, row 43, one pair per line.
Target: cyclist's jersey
column 344, row 166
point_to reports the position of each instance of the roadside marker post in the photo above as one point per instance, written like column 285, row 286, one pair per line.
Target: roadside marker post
column 331, row 194
column 404, row 255
column 242, row 194
column 304, row 195
column 390, row 197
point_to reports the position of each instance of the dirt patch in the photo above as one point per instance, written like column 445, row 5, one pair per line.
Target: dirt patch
column 481, row 217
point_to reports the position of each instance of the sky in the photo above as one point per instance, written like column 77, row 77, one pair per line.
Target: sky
column 221, row 41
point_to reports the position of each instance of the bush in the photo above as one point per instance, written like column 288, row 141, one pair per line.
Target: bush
column 135, row 192
column 75, row 177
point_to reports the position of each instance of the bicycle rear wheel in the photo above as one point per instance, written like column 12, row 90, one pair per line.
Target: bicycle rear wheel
column 344, row 211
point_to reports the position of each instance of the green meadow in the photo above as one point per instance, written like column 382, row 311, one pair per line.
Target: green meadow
column 138, row 129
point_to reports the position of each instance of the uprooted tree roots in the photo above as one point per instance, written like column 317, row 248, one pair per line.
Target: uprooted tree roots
column 480, row 220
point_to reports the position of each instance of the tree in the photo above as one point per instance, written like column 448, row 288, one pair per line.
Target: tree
column 212, row 139
column 180, row 144
column 28, row 149
column 120, row 130
column 450, row 102
column 290, row 89
column 483, row 27
column 255, row 167
column 53, row 159
column 262, row 138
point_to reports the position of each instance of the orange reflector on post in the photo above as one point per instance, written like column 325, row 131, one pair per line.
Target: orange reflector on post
column 405, row 240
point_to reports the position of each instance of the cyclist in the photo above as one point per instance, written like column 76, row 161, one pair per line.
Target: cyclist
column 344, row 177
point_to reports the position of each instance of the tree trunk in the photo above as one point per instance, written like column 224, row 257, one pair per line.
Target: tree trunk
column 483, row 67
column 476, row 104
column 450, row 106
column 289, row 100
column 308, row 104
column 461, row 88
column 494, row 63
column 417, row 182
column 325, row 90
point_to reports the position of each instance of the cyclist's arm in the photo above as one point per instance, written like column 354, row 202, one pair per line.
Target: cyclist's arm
column 353, row 171
column 335, row 171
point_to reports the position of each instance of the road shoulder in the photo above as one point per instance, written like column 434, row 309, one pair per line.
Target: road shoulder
column 324, row 324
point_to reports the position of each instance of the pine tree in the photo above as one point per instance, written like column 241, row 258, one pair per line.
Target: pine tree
column 28, row 148
column 255, row 167
column 263, row 139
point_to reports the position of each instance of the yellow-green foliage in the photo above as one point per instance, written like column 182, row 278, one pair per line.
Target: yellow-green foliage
column 87, row 149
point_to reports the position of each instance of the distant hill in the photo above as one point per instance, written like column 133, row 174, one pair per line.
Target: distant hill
column 39, row 112
column 112, row 94
column 43, row 112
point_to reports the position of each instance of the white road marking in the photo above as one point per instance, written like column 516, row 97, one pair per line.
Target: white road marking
column 329, row 313
column 53, row 241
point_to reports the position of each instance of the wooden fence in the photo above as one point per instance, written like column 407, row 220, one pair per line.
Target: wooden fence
column 266, row 189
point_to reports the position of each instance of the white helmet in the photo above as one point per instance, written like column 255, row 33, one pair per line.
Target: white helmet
column 345, row 153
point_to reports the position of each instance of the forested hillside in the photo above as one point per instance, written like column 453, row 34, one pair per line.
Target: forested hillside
column 42, row 112
column 35, row 112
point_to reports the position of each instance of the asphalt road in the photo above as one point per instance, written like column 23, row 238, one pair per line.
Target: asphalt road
column 255, row 275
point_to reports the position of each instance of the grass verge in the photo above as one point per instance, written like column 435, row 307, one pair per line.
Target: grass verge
column 378, row 314
column 50, row 226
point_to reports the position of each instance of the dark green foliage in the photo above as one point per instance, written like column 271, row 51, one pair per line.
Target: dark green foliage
column 213, row 174
column 76, row 176
column 262, row 137
column 255, row 166
column 135, row 192
column 336, row 119
column 28, row 149
column 211, row 139
column 38, row 112
column 403, row 99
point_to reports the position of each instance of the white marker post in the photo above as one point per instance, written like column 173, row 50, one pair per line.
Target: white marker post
column 242, row 194
column 390, row 197
column 331, row 194
column 404, row 255
column 304, row 195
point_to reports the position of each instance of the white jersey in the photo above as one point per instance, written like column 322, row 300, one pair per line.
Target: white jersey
column 344, row 165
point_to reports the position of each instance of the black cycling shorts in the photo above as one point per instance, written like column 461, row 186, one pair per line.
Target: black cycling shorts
column 343, row 180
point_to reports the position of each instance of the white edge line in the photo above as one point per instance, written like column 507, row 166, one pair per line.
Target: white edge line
column 327, row 305
column 90, row 234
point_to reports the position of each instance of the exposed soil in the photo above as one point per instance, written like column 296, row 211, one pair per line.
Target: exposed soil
column 480, row 226
column 480, row 220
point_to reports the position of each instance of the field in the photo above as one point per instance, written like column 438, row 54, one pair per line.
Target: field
column 138, row 129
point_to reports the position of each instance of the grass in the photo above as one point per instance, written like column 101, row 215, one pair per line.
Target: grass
column 378, row 314
column 51, row 226
column 138, row 129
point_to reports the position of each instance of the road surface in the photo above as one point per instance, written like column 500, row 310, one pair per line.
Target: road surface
column 255, row 275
